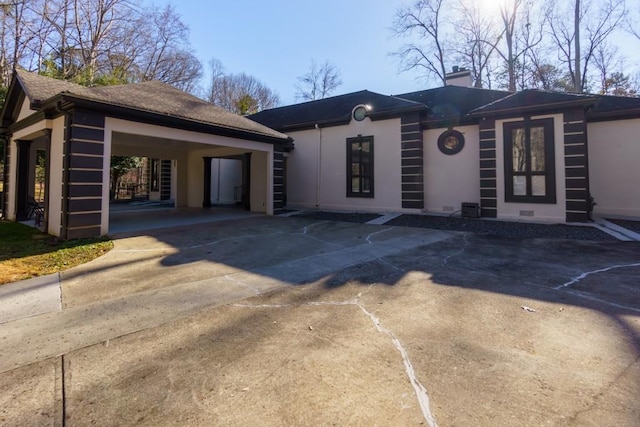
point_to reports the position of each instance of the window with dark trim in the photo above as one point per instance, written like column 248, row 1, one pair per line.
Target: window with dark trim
column 155, row 174
column 529, row 161
column 360, row 166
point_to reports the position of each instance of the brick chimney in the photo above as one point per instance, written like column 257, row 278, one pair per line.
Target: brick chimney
column 459, row 77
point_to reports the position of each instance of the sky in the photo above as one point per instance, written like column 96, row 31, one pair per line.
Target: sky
column 276, row 40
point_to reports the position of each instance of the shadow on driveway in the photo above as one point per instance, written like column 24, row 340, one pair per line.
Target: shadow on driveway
column 495, row 331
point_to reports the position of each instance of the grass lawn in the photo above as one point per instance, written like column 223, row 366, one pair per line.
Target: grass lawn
column 26, row 252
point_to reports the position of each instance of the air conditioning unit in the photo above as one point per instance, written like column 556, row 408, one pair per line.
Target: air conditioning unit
column 470, row 210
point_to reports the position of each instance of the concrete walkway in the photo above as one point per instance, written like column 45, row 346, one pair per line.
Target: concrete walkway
column 30, row 297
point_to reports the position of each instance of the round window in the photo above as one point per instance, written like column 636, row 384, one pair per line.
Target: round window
column 451, row 142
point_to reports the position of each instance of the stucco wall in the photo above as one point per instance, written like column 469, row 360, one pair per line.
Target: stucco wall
column 540, row 212
column 25, row 110
column 614, row 167
column 316, row 174
column 261, row 182
column 450, row 180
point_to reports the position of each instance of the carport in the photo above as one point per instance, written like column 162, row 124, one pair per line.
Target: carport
column 80, row 129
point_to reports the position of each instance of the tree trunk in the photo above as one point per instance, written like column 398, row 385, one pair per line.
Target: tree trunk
column 578, row 74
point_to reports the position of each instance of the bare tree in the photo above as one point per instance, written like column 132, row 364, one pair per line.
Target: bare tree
column 97, row 42
column 239, row 93
column 319, row 82
column 423, row 24
column 609, row 64
column 476, row 42
column 519, row 36
column 631, row 24
column 15, row 36
column 577, row 40
column 94, row 25
column 160, row 44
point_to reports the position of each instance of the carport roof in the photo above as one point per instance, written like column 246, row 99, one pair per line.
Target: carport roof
column 154, row 97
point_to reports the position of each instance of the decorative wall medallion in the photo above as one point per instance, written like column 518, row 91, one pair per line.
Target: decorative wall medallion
column 359, row 113
column 451, row 142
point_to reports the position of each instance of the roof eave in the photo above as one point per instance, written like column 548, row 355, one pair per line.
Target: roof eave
column 538, row 108
column 311, row 125
column 154, row 117
column 390, row 114
column 346, row 119
column 613, row 115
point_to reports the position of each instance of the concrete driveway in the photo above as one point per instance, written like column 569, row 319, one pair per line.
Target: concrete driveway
column 286, row 321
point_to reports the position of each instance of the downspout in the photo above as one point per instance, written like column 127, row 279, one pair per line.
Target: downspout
column 319, row 174
column 64, row 220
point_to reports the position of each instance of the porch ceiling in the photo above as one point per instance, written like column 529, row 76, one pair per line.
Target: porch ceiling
column 126, row 144
column 120, row 139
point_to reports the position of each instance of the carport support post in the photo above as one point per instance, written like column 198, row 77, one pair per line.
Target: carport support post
column 206, row 199
column 47, row 179
column 22, row 188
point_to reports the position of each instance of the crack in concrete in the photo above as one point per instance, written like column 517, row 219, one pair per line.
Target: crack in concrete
column 234, row 280
column 420, row 391
column 368, row 239
column 202, row 245
column 445, row 260
column 306, row 229
column 395, row 267
column 321, row 241
column 594, row 401
column 585, row 295
column 587, row 273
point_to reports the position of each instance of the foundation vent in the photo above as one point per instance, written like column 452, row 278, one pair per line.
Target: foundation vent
column 526, row 213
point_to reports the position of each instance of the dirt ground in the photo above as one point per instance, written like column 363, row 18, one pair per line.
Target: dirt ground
column 466, row 330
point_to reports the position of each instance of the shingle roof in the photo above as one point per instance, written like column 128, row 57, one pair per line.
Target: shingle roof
column 447, row 106
column 40, row 88
column 333, row 110
column 154, row 97
column 533, row 100
column 610, row 105
column 453, row 102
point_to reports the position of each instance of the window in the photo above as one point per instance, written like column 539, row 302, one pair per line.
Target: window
column 360, row 166
column 529, row 161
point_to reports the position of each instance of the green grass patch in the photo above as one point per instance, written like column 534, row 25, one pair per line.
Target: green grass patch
column 26, row 252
